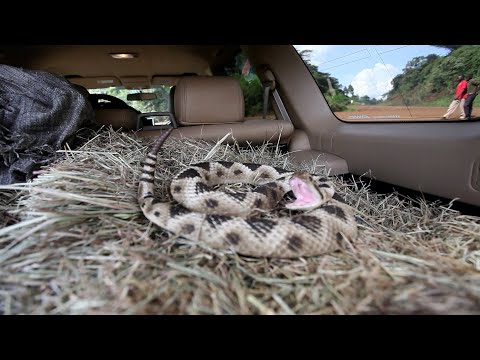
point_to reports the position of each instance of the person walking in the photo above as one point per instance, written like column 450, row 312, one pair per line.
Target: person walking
column 472, row 91
column 460, row 96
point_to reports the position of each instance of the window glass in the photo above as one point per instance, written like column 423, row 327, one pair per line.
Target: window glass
column 253, row 91
column 392, row 82
column 160, row 104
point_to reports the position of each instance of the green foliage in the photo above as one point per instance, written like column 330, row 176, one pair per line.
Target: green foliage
column 439, row 102
column 252, row 89
column 253, row 94
column 449, row 47
column 432, row 79
column 336, row 97
column 337, row 102
column 251, row 85
column 367, row 100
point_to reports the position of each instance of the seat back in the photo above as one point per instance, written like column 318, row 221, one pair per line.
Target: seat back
column 205, row 100
column 209, row 107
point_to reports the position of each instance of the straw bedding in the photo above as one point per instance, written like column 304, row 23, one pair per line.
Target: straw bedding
column 74, row 241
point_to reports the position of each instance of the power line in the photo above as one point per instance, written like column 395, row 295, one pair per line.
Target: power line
column 332, row 67
column 367, row 57
column 381, row 59
column 340, row 57
column 383, row 52
column 356, row 52
column 364, row 49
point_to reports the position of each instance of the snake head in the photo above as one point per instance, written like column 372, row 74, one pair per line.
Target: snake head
column 309, row 194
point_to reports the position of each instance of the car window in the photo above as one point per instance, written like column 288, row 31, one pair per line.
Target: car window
column 392, row 82
column 160, row 104
column 253, row 90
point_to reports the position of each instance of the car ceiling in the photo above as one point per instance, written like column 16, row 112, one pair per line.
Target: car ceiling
column 95, row 61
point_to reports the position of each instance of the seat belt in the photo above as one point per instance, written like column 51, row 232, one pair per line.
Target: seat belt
column 269, row 85
column 266, row 94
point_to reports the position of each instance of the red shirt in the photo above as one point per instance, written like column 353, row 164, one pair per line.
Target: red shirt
column 461, row 92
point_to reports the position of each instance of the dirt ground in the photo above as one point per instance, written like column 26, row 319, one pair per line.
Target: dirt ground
column 396, row 113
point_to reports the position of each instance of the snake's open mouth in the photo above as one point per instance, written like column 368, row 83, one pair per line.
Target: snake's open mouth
column 306, row 194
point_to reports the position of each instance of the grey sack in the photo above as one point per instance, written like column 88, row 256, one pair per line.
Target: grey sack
column 39, row 113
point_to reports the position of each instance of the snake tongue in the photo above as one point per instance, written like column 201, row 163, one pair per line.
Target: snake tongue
column 306, row 196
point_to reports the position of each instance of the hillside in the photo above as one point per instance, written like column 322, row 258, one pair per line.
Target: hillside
column 431, row 80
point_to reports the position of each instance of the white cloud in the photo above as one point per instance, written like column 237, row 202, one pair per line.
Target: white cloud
column 374, row 82
column 319, row 52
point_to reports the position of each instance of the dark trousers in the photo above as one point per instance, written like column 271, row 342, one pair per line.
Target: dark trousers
column 469, row 105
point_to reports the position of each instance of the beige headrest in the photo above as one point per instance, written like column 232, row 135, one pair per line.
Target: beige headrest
column 208, row 100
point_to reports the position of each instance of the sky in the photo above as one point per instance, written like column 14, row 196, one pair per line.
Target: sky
column 368, row 68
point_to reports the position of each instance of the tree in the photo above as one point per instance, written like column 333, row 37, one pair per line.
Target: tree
column 365, row 99
column 350, row 90
column 416, row 62
column 305, row 55
column 329, row 85
column 449, row 47
column 432, row 78
column 251, row 85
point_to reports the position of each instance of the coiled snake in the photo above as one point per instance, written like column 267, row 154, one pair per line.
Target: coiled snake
column 221, row 220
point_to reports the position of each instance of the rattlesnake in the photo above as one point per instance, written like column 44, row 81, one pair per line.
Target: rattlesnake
column 210, row 216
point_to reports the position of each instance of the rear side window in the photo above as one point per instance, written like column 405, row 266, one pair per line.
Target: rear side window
column 253, row 90
column 392, row 82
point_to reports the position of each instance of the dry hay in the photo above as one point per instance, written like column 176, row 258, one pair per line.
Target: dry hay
column 74, row 241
